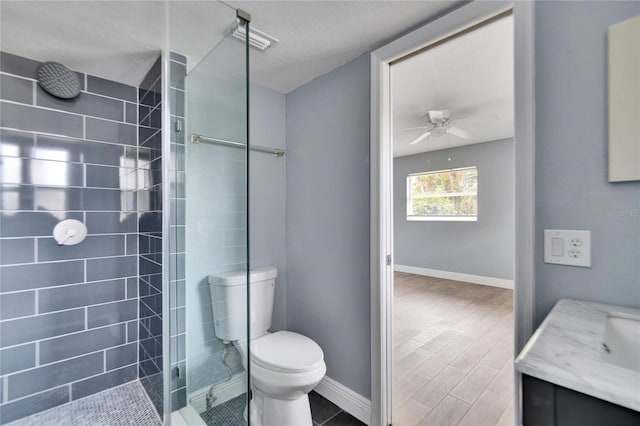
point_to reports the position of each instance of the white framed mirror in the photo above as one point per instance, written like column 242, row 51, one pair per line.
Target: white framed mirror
column 624, row 101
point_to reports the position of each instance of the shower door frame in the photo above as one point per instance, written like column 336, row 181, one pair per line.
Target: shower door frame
column 167, row 219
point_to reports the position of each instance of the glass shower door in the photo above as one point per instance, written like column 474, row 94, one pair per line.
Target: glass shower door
column 209, row 236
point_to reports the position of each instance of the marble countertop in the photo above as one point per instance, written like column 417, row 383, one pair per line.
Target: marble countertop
column 567, row 350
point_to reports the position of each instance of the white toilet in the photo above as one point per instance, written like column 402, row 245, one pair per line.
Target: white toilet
column 285, row 366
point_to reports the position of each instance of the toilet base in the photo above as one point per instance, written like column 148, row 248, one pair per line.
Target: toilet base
column 266, row 411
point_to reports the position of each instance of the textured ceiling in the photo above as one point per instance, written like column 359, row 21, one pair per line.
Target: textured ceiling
column 119, row 40
column 471, row 76
column 318, row 36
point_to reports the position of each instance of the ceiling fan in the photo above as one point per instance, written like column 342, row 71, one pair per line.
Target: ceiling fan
column 439, row 124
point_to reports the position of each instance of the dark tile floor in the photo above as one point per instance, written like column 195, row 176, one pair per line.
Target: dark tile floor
column 231, row 413
column 326, row 413
column 323, row 413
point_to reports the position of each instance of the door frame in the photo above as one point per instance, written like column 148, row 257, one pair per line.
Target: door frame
column 381, row 179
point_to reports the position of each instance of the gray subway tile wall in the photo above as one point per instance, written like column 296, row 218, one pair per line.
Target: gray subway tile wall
column 38, row 327
column 19, row 66
column 20, row 116
column 132, row 332
column 38, row 275
column 17, row 358
column 21, row 304
column 111, row 267
column 149, row 197
column 103, row 176
column 52, row 375
column 112, row 313
column 112, row 223
column 131, row 113
column 104, row 381
column 112, row 89
column 18, row 250
column 23, row 407
column 73, row 296
column 111, row 131
column 88, row 105
column 122, row 356
column 16, row 89
column 75, row 344
column 87, row 152
column 40, row 172
column 92, row 246
column 69, row 314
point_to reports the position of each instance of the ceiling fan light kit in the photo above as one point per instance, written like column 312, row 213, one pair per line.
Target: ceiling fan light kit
column 438, row 117
column 439, row 124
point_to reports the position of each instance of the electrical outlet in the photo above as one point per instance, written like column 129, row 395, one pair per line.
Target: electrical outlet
column 575, row 242
column 567, row 247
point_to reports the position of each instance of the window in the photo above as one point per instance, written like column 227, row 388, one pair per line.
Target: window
column 443, row 195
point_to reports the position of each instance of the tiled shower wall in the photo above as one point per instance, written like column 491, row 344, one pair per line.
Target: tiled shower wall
column 68, row 315
column 150, row 237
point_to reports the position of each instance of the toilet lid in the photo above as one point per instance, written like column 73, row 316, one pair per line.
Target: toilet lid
column 286, row 351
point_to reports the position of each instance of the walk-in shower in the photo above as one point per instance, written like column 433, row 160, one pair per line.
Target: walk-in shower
column 152, row 157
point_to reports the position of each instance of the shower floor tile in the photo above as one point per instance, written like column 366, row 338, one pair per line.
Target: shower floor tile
column 125, row 405
column 230, row 413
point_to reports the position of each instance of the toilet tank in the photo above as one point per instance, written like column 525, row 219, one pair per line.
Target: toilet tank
column 229, row 302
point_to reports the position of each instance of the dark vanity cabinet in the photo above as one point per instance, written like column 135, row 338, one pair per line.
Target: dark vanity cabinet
column 546, row 404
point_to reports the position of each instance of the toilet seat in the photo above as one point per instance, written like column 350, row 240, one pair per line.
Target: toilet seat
column 286, row 352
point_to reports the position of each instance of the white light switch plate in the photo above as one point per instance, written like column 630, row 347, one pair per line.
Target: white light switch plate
column 567, row 247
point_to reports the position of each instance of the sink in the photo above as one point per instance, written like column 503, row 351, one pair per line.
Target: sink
column 621, row 341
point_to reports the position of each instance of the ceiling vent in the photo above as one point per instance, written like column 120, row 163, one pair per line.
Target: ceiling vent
column 257, row 39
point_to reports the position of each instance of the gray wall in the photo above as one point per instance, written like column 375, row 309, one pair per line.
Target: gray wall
column 267, row 192
column 571, row 187
column 482, row 248
column 572, row 191
column 328, row 219
column 68, row 315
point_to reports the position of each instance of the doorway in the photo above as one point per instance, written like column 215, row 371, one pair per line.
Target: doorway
column 383, row 256
column 452, row 181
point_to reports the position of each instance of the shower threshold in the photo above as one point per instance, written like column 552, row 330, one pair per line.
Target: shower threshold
column 126, row 404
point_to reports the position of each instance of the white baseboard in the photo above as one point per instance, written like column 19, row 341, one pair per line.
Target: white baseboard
column 351, row 402
column 456, row 276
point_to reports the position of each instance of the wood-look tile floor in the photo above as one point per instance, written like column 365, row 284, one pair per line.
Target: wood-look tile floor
column 453, row 353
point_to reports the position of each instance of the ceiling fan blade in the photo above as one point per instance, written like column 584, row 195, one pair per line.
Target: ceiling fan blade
column 417, row 127
column 456, row 131
column 420, row 138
